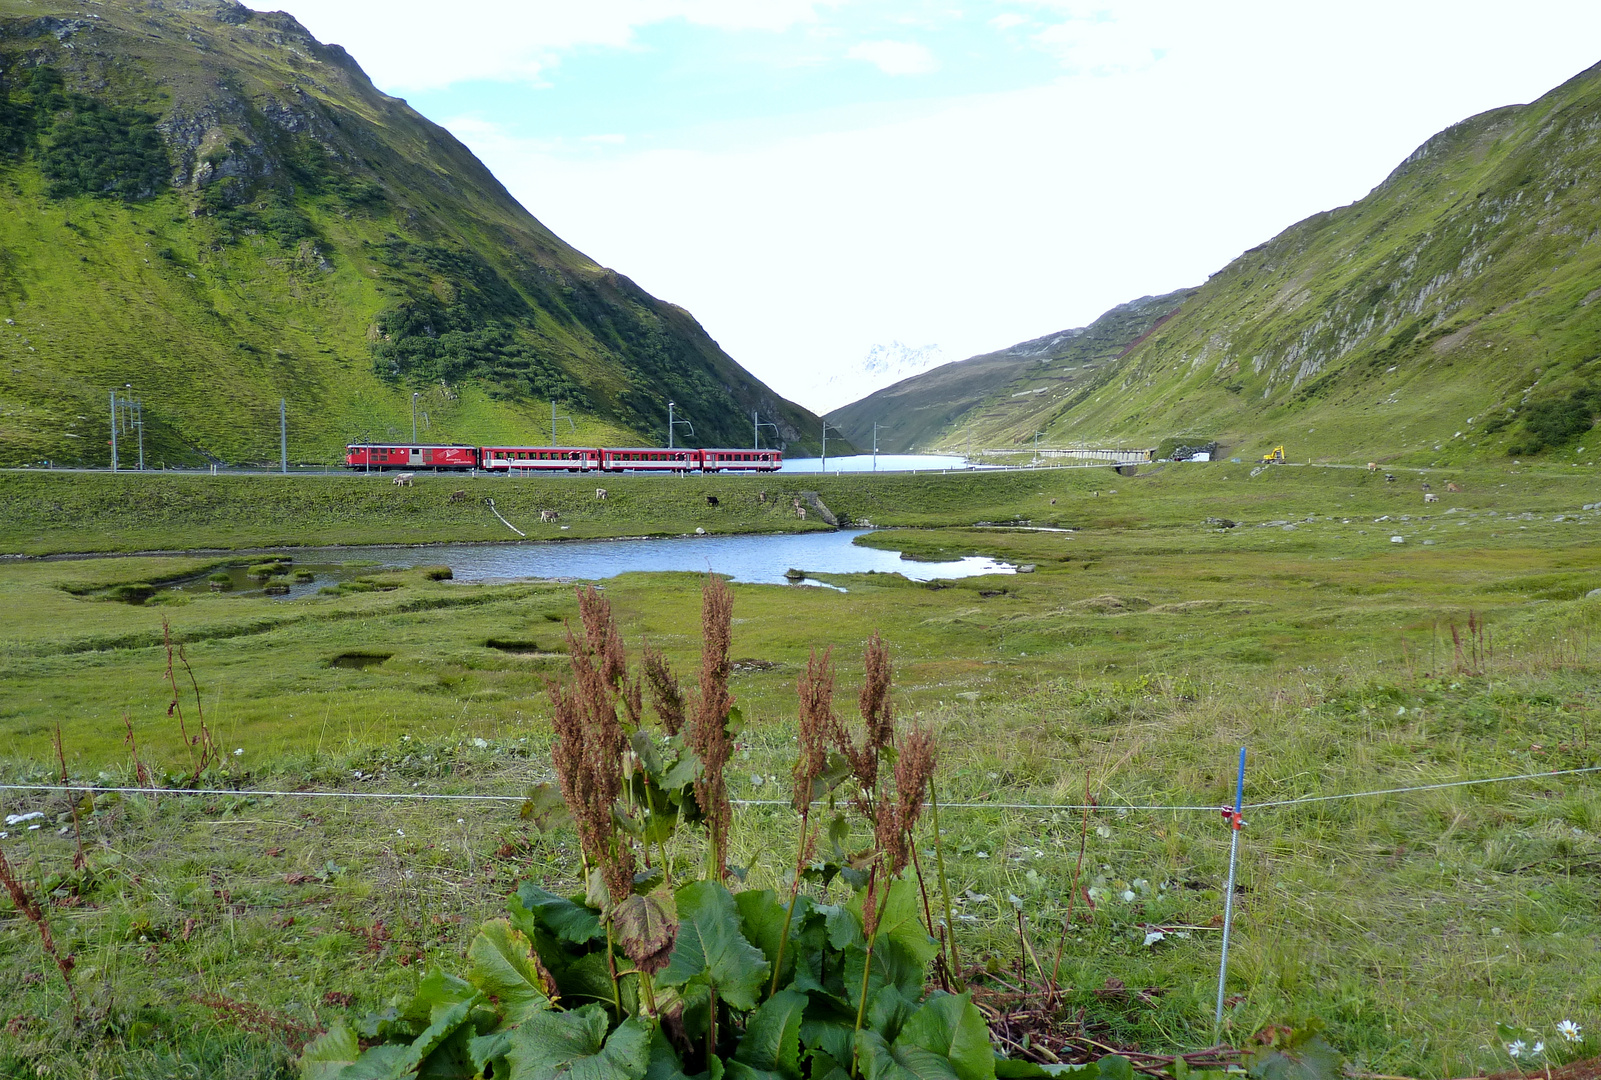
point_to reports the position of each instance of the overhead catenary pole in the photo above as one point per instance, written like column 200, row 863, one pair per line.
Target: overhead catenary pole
column 554, row 418
column 756, row 425
column 139, row 423
column 672, row 424
column 823, row 465
column 1235, row 823
column 283, row 436
column 113, row 431
column 875, row 445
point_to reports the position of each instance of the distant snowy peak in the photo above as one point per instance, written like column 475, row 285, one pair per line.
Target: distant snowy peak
column 884, row 365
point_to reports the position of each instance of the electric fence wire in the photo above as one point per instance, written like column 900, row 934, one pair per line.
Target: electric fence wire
column 424, row 796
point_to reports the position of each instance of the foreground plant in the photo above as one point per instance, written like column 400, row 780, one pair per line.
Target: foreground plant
column 636, row 977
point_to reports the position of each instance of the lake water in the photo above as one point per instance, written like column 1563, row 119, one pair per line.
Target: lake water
column 886, row 463
column 756, row 559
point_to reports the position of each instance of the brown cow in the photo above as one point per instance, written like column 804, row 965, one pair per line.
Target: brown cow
column 458, row 496
column 548, row 515
column 1452, row 487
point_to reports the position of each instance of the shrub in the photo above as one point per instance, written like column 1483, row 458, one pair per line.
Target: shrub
column 97, row 149
column 1557, row 421
column 640, row 975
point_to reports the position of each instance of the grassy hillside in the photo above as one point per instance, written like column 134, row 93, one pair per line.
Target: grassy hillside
column 206, row 203
column 1452, row 313
column 999, row 398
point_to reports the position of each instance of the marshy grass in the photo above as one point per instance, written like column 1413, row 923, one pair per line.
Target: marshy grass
column 1411, row 922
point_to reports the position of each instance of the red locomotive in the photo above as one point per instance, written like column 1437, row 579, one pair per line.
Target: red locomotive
column 525, row 460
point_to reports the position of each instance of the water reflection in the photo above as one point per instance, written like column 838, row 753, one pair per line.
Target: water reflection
column 761, row 559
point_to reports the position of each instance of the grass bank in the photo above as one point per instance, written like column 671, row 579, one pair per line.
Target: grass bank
column 44, row 513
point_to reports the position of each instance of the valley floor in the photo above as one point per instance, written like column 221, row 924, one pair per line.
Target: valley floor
column 1172, row 617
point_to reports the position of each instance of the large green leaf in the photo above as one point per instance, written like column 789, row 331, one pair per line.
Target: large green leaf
column 587, row 978
column 878, row 1060
column 386, row 1062
column 437, row 992
column 892, row 966
column 888, row 1009
column 490, row 1050
column 951, row 1026
column 664, row 1064
column 573, row 1046
column 392, row 1062
column 710, row 948
column 567, row 921
column 738, row 1070
column 844, row 925
column 772, row 1035
column 327, row 1055
column 764, row 919
column 829, row 1035
column 902, row 920
column 505, row 966
column 452, row 1059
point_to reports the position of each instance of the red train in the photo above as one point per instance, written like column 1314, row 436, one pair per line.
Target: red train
column 523, row 460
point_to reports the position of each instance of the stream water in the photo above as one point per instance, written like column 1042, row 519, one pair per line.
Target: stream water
column 761, row 559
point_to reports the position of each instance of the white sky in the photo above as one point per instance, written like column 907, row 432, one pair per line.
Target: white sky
column 814, row 178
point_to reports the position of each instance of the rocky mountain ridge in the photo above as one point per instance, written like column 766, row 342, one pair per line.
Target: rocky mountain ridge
column 206, row 206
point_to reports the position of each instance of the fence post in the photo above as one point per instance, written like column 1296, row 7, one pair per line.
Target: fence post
column 1228, row 896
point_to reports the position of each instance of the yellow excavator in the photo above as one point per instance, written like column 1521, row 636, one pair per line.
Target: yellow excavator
column 1275, row 458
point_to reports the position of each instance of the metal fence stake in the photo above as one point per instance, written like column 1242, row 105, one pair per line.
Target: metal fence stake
column 1228, row 896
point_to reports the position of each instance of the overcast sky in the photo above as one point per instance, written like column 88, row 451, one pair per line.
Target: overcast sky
column 812, row 178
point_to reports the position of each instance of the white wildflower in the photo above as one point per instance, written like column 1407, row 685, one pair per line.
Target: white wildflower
column 18, row 819
column 1570, row 1031
column 1537, row 1049
column 482, row 744
column 239, row 752
column 1516, row 1048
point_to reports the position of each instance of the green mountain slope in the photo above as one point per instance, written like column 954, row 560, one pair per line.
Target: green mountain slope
column 999, row 398
column 1453, row 312
column 206, row 203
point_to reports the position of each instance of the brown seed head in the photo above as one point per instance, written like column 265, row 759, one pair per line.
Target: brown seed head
column 708, row 732
column 665, row 696
column 818, row 724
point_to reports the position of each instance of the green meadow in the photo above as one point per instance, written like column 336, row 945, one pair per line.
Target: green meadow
column 1169, row 619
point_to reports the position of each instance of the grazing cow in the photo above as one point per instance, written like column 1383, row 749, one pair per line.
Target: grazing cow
column 1452, row 487
column 403, row 479
column 1430, row 497
column 1373, row 466
column 548, row 515
column 600, row 493
column 1389, row 478
column 800, row 512
column 1053, row 502
column 711, row 500
column 761, row 496
column 1426, row 486
column 458, row 496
